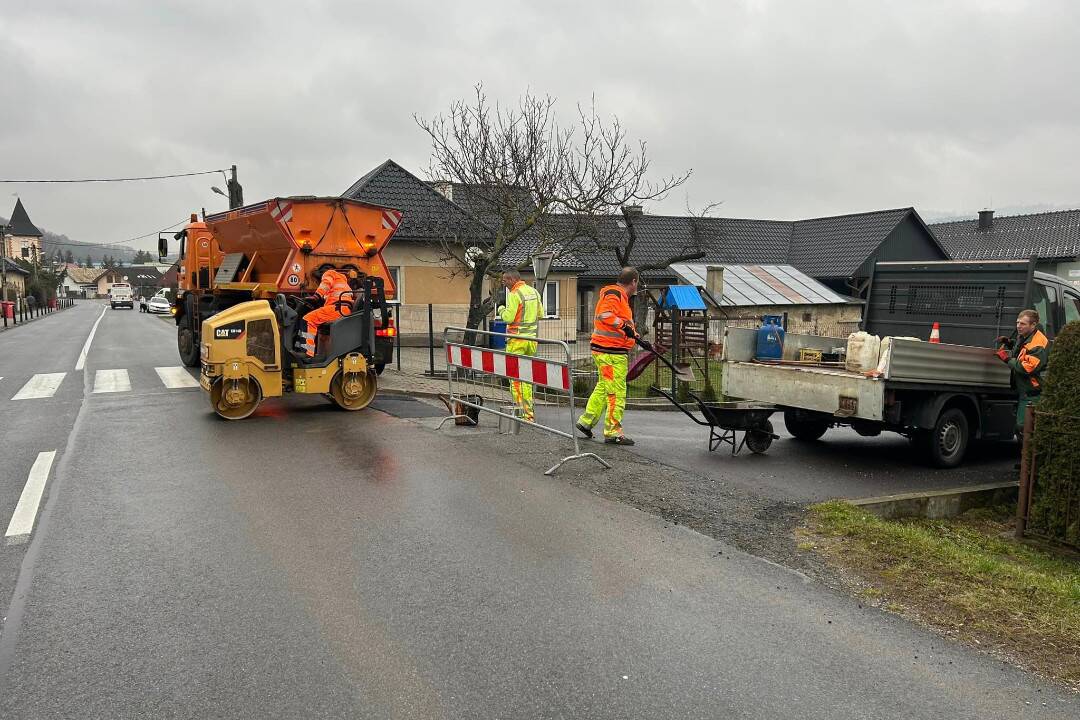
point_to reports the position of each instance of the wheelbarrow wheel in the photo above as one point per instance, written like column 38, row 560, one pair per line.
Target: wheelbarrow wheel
column 759, row 440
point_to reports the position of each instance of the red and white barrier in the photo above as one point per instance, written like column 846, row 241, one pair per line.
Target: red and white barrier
column 513, row 367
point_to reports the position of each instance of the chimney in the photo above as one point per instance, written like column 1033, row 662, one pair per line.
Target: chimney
column 633, row 210
column 714, row 282
column 986, row 219
column 446, row 189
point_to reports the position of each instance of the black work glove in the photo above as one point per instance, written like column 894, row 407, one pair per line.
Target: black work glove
column 1004, row 341
column 629, row 331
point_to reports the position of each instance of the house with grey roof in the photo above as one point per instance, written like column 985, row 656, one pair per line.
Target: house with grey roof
column 441, row 216
column 15, row 280
column 837, row 252
column 1052, row 238
column 22, row 239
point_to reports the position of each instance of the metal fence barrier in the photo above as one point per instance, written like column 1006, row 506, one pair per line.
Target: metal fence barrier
column 476, row 374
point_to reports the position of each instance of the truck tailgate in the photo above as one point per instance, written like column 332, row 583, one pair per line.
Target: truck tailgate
column 808, row 388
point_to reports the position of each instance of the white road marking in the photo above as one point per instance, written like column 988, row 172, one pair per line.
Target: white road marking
column 176, row 377
column 90, row 338
column 43, row 385
column 107, row 381
column 22, row 522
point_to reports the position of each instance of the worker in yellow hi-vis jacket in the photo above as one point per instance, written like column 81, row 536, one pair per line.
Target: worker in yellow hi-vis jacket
column 522, row 317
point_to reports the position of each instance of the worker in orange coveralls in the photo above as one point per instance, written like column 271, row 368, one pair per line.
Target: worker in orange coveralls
column 333, row 286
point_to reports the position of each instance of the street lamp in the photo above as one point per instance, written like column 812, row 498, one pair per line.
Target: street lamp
column 541, row 263
column 219, row 191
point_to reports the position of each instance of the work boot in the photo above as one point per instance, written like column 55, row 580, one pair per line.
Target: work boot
column 618, row 440
column 584, row 429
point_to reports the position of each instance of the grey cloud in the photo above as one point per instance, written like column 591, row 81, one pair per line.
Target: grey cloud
column 783, row 109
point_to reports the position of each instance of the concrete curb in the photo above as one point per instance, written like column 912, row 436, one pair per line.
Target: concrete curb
column 937, row 504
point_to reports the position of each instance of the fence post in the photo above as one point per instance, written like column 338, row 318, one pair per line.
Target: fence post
column 431, row 340
column 397, row 336
column 1026, row 468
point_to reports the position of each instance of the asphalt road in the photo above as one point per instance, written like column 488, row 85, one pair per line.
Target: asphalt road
column 842, row 464
column 312, row 563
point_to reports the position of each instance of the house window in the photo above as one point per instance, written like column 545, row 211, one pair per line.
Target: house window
column 395, row 275
column 551, row 300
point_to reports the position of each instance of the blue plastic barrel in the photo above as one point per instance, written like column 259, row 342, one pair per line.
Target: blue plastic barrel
column 498, row 342
column 770, row 339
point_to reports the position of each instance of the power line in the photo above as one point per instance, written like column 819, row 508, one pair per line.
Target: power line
column 112, row 244
column 123, row 179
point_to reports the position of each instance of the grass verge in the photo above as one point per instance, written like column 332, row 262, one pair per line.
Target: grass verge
column 964, row 577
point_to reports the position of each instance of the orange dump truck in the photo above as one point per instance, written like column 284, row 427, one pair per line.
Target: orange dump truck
column 264, row 261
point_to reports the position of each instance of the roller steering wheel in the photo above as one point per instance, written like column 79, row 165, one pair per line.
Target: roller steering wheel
column 299, row 303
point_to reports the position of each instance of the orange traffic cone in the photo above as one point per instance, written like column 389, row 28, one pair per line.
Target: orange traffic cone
column 935, row 333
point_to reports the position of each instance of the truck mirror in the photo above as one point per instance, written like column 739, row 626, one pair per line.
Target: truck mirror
column 162, row 247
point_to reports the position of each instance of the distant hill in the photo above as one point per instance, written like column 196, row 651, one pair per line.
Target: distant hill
column 51, row 242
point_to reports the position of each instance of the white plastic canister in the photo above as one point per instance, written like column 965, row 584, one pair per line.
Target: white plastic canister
column 862, row 352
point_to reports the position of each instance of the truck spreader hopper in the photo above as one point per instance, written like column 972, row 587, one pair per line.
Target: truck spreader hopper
column 276, row 245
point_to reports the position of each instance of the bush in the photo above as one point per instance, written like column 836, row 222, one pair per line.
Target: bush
column 1055, row 505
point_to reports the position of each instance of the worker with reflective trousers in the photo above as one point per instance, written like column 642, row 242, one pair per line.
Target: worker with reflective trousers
column 522, row 317
column 1026, row 357
column 612, row 339
column 333, row 287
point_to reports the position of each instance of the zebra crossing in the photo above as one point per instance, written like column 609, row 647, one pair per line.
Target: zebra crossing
column 115, row 380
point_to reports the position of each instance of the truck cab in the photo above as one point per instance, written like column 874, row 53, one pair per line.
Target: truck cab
column 1056, row 301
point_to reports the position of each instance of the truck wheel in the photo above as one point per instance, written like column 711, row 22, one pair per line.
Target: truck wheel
column 803, row 426
column 235, row 399
column 187, row 345
column 946, row 444
column 759, row 441
column 353, row 391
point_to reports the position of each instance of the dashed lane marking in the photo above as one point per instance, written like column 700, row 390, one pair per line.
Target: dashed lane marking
column 89, row 339
column 109, row 381
column 176, row 377
column 43, row 385
column 22, row 522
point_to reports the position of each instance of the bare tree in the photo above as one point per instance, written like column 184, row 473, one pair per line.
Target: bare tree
column 536, row 184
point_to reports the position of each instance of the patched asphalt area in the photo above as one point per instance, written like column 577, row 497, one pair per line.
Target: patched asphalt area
column 757, row 524
column 404, row 406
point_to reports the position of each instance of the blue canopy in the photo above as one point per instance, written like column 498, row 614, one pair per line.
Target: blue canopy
column 682, row 297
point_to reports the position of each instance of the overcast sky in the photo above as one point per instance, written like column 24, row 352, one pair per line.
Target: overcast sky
column 782, row 109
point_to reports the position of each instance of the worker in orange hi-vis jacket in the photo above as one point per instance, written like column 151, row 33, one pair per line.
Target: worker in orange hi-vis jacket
column 333, row 287
column 613, row 337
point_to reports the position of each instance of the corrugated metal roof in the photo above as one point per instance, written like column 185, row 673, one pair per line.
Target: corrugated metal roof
column 748, row 285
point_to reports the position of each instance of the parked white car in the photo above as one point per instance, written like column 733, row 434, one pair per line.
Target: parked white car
column 159, row 304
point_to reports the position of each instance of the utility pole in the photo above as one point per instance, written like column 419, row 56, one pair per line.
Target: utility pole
column 3, row 260
column 236, row 192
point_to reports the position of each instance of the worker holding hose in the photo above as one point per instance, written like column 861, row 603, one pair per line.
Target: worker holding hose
column 522, row 317
column 613, row 337
column 1026, row 357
